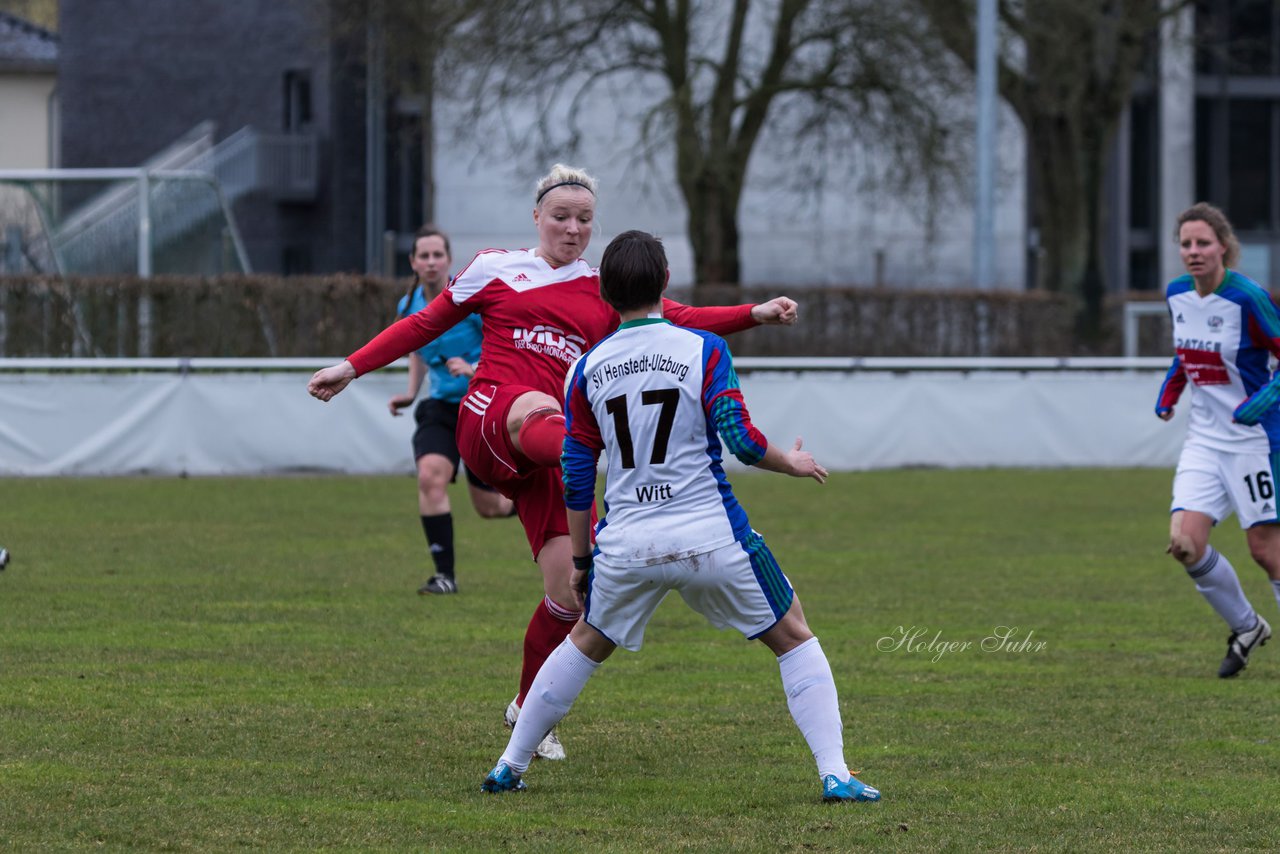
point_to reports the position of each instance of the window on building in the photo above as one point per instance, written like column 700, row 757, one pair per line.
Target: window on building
column 1145, row 162
column 1249, row 34
column 1237, row 124
column 1144, row 269
column 1250, row 184
column 1206, row 127
column 1237, row 146
column 297, row 100
column 405, row 210
column 1141, row 272
column 1211, row 37
column 1236, row 37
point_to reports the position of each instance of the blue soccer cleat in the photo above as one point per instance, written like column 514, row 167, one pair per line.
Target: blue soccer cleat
column 834, row 791
column 503, row 779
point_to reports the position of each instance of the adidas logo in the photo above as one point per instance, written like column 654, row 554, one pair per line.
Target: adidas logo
column 1267, row 508
column 520, row 277
column 1180, row 320
column 832, row 783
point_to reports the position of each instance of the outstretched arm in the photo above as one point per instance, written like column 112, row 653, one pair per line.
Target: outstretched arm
column 408, row 334
column 720, row 319
column 399, row 339
column 795, row 462
column 779, row 310
column 725, row 319
column 733, row 422
column 727, row 410
column 327, row 382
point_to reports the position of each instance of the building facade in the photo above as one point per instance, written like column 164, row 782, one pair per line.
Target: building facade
column 1204, row 123
column 136, row 76
column 28, row 93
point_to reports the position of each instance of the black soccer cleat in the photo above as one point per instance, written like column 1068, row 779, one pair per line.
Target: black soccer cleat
column 1239, row 645
column 439, row 584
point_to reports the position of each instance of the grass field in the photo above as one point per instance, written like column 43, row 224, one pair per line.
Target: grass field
column 212, row 664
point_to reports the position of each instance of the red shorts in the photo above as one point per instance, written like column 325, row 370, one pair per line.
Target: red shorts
column 485, row 446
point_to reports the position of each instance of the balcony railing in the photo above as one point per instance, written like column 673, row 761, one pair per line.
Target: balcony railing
column 284, row 166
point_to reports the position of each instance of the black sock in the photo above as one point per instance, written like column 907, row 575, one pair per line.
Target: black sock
column 439, row 531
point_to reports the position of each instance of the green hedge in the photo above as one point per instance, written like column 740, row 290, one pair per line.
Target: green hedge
column 883, row 322
column 254, row 316
column 243, row 316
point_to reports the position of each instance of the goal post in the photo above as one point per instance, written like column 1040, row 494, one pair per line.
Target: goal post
column 104, row 221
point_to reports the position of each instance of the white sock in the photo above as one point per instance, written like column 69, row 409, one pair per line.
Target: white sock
column 1275, row 585
column 815, row 707
column 1216, row 580
column 559, row 682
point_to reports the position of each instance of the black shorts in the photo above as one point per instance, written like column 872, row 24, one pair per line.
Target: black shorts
column 437, row 425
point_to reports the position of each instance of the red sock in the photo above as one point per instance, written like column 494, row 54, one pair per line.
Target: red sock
column 542, row 436
column 547, row 629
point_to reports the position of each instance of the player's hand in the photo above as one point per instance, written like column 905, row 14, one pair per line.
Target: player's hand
column 1165, row 414
column 327, row 382
column 460, row 367
column 779, row 310
column 802, row 463
column 400, row 401
column 578, row 581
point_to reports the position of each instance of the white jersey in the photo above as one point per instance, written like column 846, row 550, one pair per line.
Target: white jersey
column 654, row 396
column 1224, row 344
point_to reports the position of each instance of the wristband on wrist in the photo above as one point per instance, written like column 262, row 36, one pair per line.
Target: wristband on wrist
column 583, row 564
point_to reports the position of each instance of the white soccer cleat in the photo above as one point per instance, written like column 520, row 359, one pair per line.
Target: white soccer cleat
column 550, row 746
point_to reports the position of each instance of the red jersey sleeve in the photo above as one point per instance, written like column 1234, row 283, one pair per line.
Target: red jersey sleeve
column 720, row 319
column 408, row 334
column 1171, row 389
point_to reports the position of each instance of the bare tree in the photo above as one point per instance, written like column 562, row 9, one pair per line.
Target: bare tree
column 1067, row 68
column 837, row 75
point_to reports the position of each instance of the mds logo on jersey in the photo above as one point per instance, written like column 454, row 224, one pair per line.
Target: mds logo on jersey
column 549, row 340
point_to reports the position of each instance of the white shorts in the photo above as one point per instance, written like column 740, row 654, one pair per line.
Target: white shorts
column 736, row 586
column 1216, row 483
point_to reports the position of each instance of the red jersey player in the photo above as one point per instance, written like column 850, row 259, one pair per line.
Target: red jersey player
column 541, row 309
